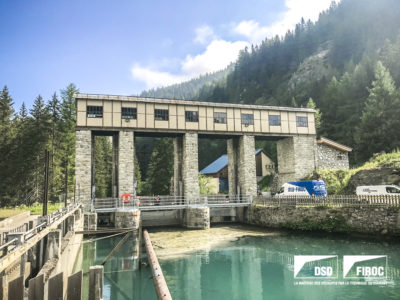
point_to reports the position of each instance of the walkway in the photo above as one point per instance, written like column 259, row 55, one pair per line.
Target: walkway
column 155, row 203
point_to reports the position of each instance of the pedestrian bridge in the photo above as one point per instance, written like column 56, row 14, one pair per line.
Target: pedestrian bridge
column 157, row 203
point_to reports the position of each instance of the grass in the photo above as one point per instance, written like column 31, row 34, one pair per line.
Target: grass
column 337, row 180
column 35, row 209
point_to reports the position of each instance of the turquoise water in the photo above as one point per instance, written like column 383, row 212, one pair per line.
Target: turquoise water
column 249, row 268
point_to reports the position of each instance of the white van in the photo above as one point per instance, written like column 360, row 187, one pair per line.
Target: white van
column 377, row 190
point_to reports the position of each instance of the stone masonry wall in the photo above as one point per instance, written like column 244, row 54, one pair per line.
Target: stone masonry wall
column 83, row 167
column 197, row 217
column 177, row 166
column 331, row 158
column 126, row 162
column 190, row 167
column 246, row 161
column 232, row 165
column 364, row 219
column 127, row 219
column 296, row 158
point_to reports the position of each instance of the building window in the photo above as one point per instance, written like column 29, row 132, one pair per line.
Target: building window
column 161, row 114
column 220, row 117
column 340, row 157
column 247, row 119
column 302, row 121
column 274, row 120
column 95, row 111
column 128, row 113
column 191, row 116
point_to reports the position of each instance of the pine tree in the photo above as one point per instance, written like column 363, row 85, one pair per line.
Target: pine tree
column 318, row 115
column 67, row 136
column 380, row 122
column 54, row 111
column 6, row 113
column 160, row 169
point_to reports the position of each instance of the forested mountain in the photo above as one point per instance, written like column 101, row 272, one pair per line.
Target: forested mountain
column 340, row 61
column 196, row 88
column 348, row 62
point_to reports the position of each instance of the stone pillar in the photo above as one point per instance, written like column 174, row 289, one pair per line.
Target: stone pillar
column 197, row 217
column 127, row 219
column 190, row 168
column 83, row 167
column 53, row 246
column 126, row 162
column 232, row 146
column 247, row 178
column 296, row 158
column 242, row 166
column 178, row 145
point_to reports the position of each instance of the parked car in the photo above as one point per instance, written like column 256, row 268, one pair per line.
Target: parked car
column 378, row 190
column 303, row 188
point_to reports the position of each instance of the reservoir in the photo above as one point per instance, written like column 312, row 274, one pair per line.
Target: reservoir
column 240, row 262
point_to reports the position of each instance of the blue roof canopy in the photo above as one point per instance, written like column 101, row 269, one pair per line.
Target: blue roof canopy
column 220, row 163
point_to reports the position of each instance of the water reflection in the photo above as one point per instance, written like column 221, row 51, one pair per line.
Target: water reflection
column 249, row 268
column 262, row 268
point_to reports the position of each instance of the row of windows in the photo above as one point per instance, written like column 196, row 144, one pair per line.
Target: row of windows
column 192, row 116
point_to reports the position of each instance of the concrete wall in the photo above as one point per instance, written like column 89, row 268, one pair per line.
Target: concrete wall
column 331, row 158
column 145, row 118
column 364, row 219
column 296, row 158
column 83, row 167
column 161, row 218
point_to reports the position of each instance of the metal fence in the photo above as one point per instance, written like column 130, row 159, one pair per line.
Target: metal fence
column 169, row 202
column 18, row 235
column 334, row 200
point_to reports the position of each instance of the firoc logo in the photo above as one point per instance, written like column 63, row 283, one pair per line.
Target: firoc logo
column 315, row 266
column 365, row 266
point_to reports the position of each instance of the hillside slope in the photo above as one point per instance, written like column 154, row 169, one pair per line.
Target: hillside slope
column 381, row 169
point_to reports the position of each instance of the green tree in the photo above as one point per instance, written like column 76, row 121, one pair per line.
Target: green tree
column 160, row 170
column 318, row 114
column 103, row 166
column 206, row 186
column 66, row 129
column 380, row 122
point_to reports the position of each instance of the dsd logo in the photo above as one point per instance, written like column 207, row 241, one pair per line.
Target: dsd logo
column 315, row 266
column 365, row 266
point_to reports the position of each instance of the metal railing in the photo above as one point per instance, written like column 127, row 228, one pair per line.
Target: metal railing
column 15, row 237
column 334, row 201
column 170, row 202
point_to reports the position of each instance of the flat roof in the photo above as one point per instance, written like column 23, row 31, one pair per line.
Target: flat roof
column 187, row 102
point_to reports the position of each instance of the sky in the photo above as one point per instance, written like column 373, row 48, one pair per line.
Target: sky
column 123, row 47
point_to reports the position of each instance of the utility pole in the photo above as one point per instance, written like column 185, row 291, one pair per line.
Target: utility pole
column 46, row 181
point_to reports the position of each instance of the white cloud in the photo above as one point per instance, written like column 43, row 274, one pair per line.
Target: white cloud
column 218, row 55
column 296, row 9
column 153, row 78
column 204, row 34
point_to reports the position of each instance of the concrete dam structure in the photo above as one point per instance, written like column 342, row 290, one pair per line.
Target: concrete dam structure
column 124, row 117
